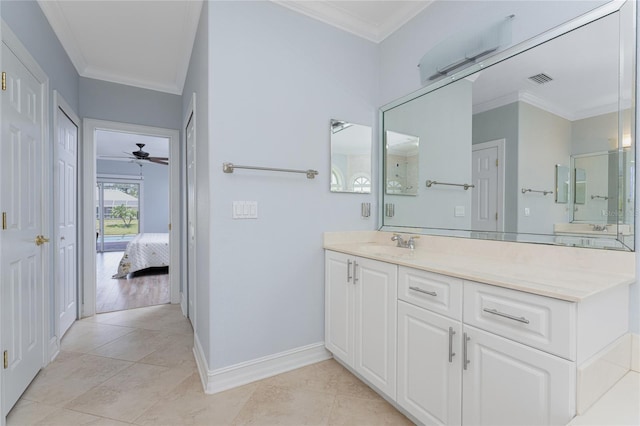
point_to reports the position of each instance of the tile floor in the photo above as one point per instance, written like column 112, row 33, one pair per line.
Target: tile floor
column 137, row 367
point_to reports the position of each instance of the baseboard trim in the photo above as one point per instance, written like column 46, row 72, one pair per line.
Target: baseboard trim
column 222, row 379
column 54, row 349
column 598, row 374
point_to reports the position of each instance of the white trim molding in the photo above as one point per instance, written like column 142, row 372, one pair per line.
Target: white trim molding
column 221, row 379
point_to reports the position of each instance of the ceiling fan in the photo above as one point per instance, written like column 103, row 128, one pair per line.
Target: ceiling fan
column 143, row 155
column 138, row 156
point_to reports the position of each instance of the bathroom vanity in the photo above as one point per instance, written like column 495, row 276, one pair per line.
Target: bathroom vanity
column 461, row 331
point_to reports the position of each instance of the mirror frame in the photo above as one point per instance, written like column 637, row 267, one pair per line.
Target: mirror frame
column 600, row 12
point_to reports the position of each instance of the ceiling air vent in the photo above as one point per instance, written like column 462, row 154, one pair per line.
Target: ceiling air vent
column 540, row 78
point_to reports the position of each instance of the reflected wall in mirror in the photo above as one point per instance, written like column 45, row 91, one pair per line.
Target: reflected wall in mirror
column 350, row 157
column 563, row 180
column 550, row 104
column 401, row 163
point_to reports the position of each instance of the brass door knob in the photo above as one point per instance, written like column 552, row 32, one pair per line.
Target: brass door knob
column 40, row 240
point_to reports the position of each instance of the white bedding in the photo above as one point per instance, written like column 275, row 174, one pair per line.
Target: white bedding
column 144, row 251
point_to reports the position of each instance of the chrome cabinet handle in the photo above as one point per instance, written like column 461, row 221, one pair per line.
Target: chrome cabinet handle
column 349, row 270
column 355, row 266
column 464, row 350
column 419, row 290
column 502, row 314
column 451, row 353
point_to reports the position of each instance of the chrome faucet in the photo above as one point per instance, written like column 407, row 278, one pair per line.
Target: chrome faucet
column 400, row 242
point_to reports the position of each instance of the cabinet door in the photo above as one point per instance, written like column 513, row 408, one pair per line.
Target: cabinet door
column 429, row 372
column 507, row 383
column 375, row 323
column 338, row 327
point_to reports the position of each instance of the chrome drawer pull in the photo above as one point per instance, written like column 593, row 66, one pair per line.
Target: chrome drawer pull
column 502, row 314
column 419, row 290
column 355, row 270
column 451, row 353
column 465, row 340
column 348, row 270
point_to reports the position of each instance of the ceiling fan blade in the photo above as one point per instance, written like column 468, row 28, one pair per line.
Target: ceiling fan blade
column 119, row 157
column 158, row 160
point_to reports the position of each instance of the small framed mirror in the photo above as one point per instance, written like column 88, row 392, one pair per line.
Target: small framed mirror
column 562, row 184
column 401, row 163
column 350, row 157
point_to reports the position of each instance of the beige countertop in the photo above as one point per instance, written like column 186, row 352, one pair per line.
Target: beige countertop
column 544, row 270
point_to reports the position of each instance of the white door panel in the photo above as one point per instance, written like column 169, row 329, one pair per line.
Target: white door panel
column 65, row 199
column 484, row 198
column 21, row 193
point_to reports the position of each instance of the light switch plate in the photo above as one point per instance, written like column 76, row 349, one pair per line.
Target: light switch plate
column 527, row 212
column 245, row 210
column 459, row 211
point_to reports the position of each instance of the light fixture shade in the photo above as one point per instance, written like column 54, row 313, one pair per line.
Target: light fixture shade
column 465, row 48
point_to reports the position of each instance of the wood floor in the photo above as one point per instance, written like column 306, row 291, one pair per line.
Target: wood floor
column 144, row 288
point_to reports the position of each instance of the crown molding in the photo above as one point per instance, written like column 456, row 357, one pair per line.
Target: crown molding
column 332, row 14
column 98, row 74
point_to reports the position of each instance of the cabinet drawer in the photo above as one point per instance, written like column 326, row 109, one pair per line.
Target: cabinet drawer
column 435, row 292
column 537, row 321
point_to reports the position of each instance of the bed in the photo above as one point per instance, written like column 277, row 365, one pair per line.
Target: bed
column 144, row 251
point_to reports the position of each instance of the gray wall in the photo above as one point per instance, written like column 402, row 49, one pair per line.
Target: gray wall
column 155, row 193
column 197, row 82
column 26, row 20
column 104, row 100
column 276, row 79
column 499, row 123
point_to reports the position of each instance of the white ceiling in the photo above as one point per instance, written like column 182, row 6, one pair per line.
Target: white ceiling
column 148, row 43
column 138, row 43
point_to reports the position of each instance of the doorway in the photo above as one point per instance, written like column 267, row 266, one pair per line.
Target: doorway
column 131, row 194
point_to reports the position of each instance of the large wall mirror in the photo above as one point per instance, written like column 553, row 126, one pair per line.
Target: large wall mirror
column 491, row 137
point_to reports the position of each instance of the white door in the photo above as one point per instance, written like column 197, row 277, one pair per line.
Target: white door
column 484, row 199
column 376, row 291
column 429, row 372
column 21, row 259
column 65, row 200
column 507, row 383
column 339, row 291
column 191, row 218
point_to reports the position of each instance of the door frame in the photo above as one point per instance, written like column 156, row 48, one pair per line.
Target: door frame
column 189, row 115
column 87, row 226
column 60, row 105
column 499, row 144
column 15, row 45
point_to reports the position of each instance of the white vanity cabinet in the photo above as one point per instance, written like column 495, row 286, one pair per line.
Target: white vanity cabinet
column 469, row 353
column 360, row 320
column 508, row 383
column 452, row 373
column 429, row 373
